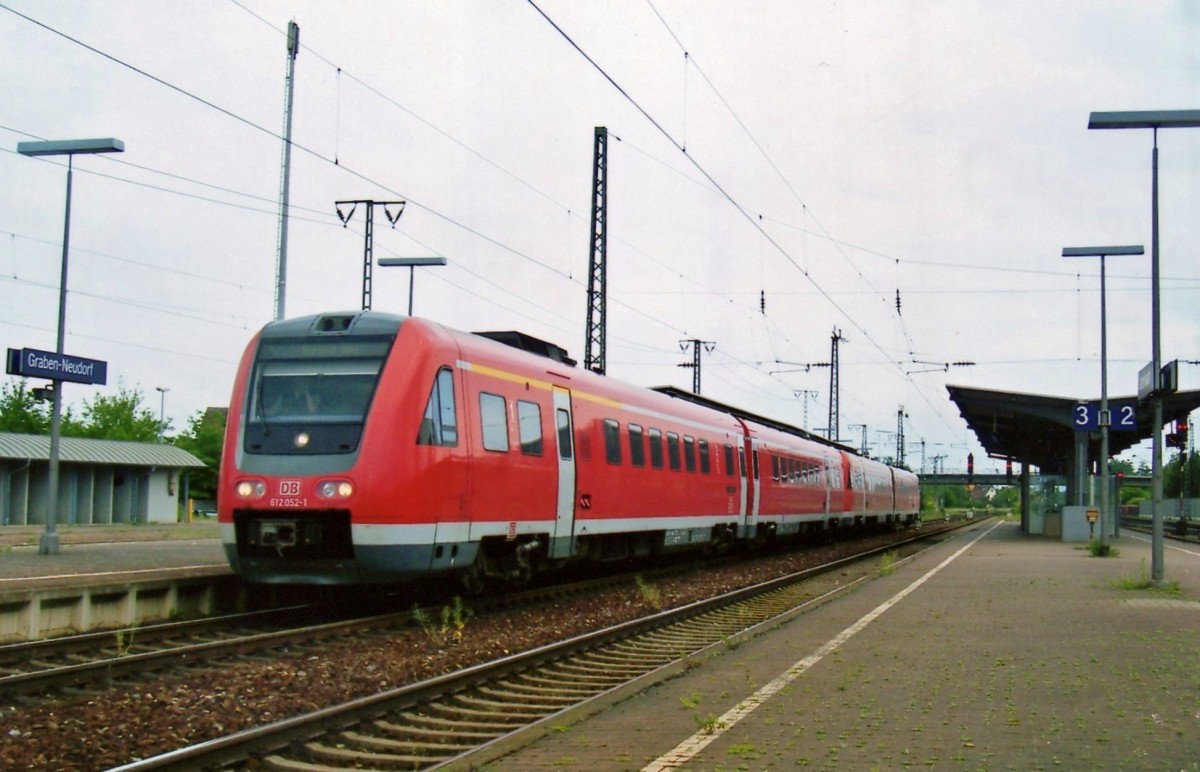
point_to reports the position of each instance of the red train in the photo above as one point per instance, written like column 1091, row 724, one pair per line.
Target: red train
column 368, row 447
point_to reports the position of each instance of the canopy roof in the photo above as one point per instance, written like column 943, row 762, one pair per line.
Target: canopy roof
column 1040, row 430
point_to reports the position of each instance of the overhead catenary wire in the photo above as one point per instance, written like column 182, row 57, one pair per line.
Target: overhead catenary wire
column 746, row 214
column 567, row 275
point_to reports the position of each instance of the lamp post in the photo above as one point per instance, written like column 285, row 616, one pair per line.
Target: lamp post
column 49, row 543
column 413, row 263
column 1154, row 120
column 1105, row 418
column 162, row 408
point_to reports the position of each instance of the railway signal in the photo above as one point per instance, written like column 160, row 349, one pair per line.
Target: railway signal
column 1178, row 438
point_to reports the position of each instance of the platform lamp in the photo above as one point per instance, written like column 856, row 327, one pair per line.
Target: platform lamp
column 1155, row 120
column 49, row 544
column 1105, row 416
column 162, row 410
column 413, row 263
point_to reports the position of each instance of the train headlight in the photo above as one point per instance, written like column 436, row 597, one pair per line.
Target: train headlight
column 335, row 489
column 251, row 489
column 301, row 440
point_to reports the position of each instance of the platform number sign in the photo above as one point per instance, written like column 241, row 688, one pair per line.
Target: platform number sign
column 1085, row 417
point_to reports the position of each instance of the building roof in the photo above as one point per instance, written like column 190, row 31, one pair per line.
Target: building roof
column 79, row 450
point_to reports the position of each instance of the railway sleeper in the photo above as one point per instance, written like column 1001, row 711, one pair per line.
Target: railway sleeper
column 683, row 641
column 435, row 726
column 509, row 692
column 509, row 706
column 408, row 747
column 575, row 686
column 458, row 712
column 545, row 687
column 600, row 672
column 577, row 676
column 280, row 764
column 322, row 752
column 648, row 659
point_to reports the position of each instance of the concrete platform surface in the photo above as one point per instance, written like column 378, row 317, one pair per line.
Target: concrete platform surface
column 103, row 554
column 993, row 650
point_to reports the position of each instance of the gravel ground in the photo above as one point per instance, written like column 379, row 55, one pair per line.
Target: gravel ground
column 102, row 730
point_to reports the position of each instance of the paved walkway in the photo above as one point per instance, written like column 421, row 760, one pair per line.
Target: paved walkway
column 994, row 650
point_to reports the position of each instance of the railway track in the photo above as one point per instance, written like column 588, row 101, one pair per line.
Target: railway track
column 468, row 717
column 1173, row 528
column 104, row 660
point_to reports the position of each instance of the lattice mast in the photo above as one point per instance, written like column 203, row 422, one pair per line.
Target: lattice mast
column 594, row 357
column 835, row 432
column 695, row 343
column 369, row 235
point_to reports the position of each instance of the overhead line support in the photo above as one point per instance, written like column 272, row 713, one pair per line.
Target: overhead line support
column 369, row 236
column 595, row 357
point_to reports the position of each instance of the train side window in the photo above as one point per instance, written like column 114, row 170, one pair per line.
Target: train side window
column 637, row 446
column 529, row 426
column 729, row 469
column 689, row 453
column 493, row 419
column 439, row 425
column 775, row 468
column 612, row 441
column 656, row 451
column 705, row 462
column 673, row 450
column 564, row 434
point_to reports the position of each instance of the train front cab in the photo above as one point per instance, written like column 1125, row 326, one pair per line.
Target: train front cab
column 323, row 492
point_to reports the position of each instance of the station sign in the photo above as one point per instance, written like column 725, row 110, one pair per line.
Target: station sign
column 34, row 363
column 1085, row 417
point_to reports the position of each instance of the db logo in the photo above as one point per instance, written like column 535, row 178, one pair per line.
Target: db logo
column 289, row 488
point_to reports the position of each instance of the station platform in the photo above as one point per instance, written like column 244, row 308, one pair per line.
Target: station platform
column 992, row 650
column 109, row 576
column 103, row 554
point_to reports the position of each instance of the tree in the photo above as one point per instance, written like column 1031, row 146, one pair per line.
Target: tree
column 21, row 412
column 118, row 417
column 203, row 439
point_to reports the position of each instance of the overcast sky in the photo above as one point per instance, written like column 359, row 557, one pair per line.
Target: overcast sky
column 820, row 157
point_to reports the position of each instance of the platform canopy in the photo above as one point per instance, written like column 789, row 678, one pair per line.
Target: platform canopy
column 1039, row 430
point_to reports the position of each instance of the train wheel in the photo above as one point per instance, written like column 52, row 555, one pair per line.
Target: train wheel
column 474, row 579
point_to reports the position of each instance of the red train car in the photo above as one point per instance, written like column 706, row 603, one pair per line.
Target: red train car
column 368, row 447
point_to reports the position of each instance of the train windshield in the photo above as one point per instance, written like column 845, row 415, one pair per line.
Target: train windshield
column 330, row 381
column 326, row 382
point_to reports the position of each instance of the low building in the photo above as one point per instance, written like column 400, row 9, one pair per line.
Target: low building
column 99, row 481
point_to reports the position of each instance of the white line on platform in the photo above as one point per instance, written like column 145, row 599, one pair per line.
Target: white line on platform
column 1139, row 537
column 689, row 748
column 111, row 573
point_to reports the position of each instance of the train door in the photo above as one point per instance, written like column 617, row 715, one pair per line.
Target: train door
column 564, row 521
column 751, row 492
column 741, row 477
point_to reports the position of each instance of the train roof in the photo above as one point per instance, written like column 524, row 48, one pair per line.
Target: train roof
column 529, row 343
column 672, row 391
column 336, row 323
column 374, row 322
